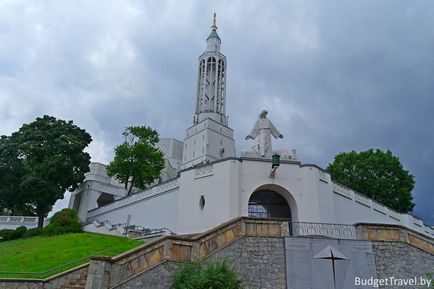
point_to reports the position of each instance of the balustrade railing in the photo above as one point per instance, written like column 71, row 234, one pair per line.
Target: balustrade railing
column 335, row 231
column 18, row 220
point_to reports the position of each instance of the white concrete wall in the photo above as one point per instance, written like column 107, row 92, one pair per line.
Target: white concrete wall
column 351, row 208
column 153, row 208
column 300, row 183
column 227, row 186
column 215, row 182
column 172, row 149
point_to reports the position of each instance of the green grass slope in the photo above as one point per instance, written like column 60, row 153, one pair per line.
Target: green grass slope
column 39, row 254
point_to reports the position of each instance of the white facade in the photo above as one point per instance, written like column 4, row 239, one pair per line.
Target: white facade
column 172, row 149
column 205, row 185
column 226, row 187
column 97, row 190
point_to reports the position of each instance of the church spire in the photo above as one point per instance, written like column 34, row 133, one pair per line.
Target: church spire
column 211, row 87
column 213, row 33
column 214, row 24
column 210, row 138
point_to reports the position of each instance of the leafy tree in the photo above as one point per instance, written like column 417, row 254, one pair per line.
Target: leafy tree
column 39, row 162
column 376, row 174
column 215, row 275
column 137, row 161
column 11, row 171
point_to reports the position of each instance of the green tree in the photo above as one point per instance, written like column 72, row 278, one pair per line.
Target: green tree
column 376, row 174
column 10, row 175
column 137, row 162
column 39, row 162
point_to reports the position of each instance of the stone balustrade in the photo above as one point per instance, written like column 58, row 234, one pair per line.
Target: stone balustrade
column 394, row 233
column 25, row 220
column 54, row 282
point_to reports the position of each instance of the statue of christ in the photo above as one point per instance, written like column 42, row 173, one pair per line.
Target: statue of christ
column 264, row 128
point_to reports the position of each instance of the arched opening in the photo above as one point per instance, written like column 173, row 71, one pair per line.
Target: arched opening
column 268, row 204
column 105, row 199
column 272, row 201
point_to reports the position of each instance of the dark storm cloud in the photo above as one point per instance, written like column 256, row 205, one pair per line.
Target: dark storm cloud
column 335, row 75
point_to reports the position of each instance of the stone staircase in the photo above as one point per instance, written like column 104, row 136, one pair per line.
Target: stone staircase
column 76, row 284
column 119, row 272
column 76, row 280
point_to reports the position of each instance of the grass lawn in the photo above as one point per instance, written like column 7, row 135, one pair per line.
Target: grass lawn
column 39, row 254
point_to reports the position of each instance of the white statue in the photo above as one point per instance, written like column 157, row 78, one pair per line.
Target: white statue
column 264, row 128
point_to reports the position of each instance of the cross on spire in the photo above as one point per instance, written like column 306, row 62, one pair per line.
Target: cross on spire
column 214, row 23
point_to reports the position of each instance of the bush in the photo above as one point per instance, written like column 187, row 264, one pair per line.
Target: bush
column 32, row 233
column 19, row 232
column 215, row 275
column 63, row 222
column 9, row 234
column 6, row 234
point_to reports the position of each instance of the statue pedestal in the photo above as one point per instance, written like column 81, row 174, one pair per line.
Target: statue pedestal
column 285, row 154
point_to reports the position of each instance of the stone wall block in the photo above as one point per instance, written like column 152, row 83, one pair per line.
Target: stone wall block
column 250, row 229
column 275, row 230
column 285, row 229
column 221, row 241
column 230, row 235
column 154, row 257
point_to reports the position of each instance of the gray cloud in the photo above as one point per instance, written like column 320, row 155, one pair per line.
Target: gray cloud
column 335, row 75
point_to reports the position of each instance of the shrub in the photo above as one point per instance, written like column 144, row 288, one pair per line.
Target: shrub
column 6, row 234
column 63, row 222
column 32, row 233
column 9, row 234
column 19, row 232
column 215, row 275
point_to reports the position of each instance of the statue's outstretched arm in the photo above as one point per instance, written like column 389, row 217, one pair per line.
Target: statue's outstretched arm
column 255, row 132
column 274, row 131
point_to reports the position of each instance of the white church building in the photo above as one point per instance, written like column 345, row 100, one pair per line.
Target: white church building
column 205, row 184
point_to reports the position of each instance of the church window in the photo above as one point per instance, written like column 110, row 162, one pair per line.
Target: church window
column 202, row 202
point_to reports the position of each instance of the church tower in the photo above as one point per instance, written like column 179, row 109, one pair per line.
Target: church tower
column 210, row 138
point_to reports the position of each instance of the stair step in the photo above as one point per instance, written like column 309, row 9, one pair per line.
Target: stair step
column 77, row 284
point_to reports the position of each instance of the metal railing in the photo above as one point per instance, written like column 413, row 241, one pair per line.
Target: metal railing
column 334, row 231
column 136, row 231
column 57, row 269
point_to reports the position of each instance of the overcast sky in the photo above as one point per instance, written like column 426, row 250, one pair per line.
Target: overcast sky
column 335, row 75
